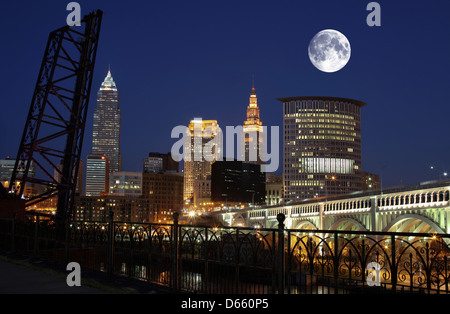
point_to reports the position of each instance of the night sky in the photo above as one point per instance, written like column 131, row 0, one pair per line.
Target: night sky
column 176, row 60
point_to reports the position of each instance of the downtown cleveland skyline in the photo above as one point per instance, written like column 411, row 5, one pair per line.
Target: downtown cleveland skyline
column 174, row 62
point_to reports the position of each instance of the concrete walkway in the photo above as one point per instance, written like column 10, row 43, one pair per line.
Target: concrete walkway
column 23, row 278
column 23, row 275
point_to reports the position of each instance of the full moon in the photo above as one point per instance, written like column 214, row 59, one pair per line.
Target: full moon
column 329, row 50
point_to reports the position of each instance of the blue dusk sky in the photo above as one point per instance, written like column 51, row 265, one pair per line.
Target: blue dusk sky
column 176, row 60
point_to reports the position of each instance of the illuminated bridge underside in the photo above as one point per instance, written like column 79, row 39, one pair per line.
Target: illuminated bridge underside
column 419, row 209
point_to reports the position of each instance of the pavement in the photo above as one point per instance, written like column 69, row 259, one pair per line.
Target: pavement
column 22, row 275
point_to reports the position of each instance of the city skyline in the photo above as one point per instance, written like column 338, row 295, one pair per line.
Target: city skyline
column 173, row 74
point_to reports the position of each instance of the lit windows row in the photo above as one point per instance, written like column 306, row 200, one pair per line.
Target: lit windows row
column 326, row 137
column 303, row 115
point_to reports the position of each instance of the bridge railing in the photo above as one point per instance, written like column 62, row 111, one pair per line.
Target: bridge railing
column 336, row 261
column 205, row 259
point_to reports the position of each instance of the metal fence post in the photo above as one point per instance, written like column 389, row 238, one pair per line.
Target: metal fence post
column 394, row 264
column 206, row 275
column 67, row 239
column 336, row 263
column 110, row 261
column 36, row 235
column 175, row 262
column 281, row 217
column 13, row 233
column 236, row 265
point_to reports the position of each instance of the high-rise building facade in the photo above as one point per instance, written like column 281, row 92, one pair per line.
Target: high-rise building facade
column 254, row 149
column 370, row 181
column 7, row 168
column 97, row 175
column 274, row 189
column 203, row 146
column 164, row 190
column 234, row 181
column 322, row 146
column 124, row 208
column 125, row 183
column 106, row 128
column 157, row 162
column 202, row 191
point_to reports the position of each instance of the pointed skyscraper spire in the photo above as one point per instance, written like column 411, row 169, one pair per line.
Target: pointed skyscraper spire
column 254, row 128
column 253, row 100
column 253, row 82
column 108, row 82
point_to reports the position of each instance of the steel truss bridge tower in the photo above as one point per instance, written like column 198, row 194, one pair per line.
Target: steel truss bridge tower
column 55, row 124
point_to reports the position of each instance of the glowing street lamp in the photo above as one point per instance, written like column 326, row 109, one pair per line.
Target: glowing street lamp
column 441, row 173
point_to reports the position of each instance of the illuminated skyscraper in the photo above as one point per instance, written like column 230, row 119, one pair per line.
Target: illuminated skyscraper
column 202, row 148
column 106, row 129
column 97, row 175
column 253, row 131
column 322, row 146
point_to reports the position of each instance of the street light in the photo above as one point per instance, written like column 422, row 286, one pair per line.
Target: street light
column 441, row 173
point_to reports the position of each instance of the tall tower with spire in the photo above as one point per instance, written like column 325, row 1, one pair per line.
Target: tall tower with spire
column 106, row 128
column 254, row 148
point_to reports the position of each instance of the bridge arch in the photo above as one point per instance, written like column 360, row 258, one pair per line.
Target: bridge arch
column 304, row 224
column 348, row 224
column 238, row 221
column 413, row 223
column 257, row 224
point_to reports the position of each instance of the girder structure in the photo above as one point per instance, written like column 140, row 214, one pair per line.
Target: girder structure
column 55, row 124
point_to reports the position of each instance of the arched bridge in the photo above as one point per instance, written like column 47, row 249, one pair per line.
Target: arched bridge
column 423, row 208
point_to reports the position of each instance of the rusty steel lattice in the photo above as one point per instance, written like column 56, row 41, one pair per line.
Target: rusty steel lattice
column 54, row 128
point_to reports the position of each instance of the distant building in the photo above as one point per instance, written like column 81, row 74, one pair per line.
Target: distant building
column 97, row 175
column 370, row 181
column 157, row 162
column 202, row 191
column 125, row 209
column 79, row 186
column 322, row 146
column 254, row 148
column 106, row 127
column 7, row 167
column 164, row 191
column 236, row 181
column 274, row 193
column 273, row 178
column 125, row 183
column 196, row 166
column 274, row 189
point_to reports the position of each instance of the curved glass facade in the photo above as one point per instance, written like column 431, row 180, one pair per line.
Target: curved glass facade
column 322, row 146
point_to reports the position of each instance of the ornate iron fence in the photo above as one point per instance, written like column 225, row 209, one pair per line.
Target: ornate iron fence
column 205, row 259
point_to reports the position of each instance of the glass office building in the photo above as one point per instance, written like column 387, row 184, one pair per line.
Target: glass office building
column 125, row 183
column 106, row 128
column 97, row 175
column 322, row 146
